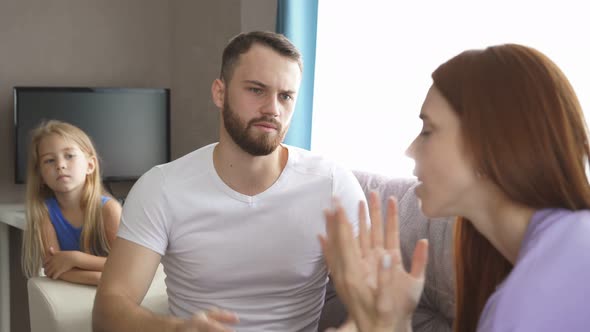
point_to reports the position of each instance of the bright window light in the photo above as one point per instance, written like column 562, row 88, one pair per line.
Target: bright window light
column 374, row 60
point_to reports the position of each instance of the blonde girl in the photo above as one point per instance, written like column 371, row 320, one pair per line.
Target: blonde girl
column 71, row 222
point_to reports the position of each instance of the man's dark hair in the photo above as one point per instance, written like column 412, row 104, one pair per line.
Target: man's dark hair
column 241, row 43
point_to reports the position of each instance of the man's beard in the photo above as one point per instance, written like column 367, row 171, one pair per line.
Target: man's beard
column 242, row 135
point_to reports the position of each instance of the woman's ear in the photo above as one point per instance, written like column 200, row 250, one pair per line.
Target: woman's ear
column 218, row 93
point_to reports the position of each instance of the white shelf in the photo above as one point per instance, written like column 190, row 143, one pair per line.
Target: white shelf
column 13, row 215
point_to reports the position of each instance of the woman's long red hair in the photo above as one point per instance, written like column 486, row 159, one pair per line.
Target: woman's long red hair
column 523, row 125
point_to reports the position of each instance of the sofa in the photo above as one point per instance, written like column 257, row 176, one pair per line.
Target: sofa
column 57, row 306
column 61, row 306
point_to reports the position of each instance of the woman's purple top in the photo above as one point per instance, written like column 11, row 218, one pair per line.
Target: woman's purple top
column 549, row 287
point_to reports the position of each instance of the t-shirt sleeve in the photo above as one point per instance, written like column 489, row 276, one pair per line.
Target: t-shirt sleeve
column 348, row 190
column 145, row 217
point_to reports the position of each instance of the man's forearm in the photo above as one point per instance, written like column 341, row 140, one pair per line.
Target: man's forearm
column 114, row 313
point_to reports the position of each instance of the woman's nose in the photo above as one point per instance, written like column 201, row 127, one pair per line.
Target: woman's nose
column 411, row 150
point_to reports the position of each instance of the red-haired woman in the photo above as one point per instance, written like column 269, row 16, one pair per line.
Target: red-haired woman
column 504, row 146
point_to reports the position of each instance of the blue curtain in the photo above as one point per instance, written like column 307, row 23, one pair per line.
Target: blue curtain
column 297, row 19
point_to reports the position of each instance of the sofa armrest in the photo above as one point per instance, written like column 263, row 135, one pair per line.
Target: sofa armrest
column 61, row 306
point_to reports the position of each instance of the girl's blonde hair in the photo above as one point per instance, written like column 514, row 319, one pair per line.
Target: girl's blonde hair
column 93, row 238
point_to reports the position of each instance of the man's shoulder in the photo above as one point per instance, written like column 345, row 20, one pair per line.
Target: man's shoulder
column 310, row 163
column 193, row 162
column 182, row 170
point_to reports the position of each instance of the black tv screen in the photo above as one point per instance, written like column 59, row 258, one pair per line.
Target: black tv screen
column 129, row 127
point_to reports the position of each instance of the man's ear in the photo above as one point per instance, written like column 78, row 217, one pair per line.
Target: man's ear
column 218, row 92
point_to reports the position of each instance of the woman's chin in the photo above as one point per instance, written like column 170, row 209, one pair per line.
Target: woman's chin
column 427, row 209
column 424, row 204
column 419, row 189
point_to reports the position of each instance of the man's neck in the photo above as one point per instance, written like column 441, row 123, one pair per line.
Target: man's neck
column 247, row 174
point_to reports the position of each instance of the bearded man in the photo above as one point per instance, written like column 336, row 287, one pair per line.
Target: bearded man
column 235, row 223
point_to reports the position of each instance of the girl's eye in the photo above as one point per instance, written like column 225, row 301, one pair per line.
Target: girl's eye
column 48, row 161
column 70, row 156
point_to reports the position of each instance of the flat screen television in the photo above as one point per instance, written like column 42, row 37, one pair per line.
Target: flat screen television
column 130, row 128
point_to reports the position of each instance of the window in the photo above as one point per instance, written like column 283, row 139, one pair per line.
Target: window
column 374, row 60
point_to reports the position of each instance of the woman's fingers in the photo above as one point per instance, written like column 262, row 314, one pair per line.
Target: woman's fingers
column 348, row 326
column 384, row 297
column 212, row 321
column 342, row 253
column 331, row 226
column 392, row 225
column 339, row 247
column 420, row 259
column 347, row 244
column 223, row 316
column 376, row 220
column 328, row 255
column 363, row 229
column 328, row 242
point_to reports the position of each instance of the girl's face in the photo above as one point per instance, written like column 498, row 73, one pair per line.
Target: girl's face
column 63, row 165
column 447, row 178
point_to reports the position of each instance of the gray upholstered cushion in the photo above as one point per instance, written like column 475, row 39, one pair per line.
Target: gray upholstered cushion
column 435, row 311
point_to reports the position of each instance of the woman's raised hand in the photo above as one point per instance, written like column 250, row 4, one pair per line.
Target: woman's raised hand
column 368, row 272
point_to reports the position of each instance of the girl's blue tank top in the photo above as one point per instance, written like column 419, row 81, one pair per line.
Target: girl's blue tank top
column 68, row 236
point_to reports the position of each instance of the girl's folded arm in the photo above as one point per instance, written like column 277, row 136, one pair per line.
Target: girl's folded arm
column 84, row 277
column 111, row 215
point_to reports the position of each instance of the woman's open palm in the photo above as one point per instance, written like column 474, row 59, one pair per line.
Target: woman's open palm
column 368, row 272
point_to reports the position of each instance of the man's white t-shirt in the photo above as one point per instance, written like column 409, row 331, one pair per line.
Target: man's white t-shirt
column 258, row 256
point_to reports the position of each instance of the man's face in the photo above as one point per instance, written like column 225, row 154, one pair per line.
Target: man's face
column 245, row 136
column 259, row 100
